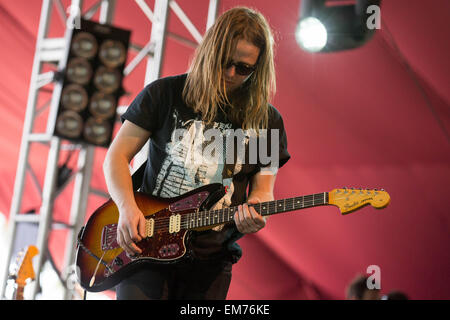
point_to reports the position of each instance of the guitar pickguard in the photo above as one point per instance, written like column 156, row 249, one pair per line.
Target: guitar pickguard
column 192, row 202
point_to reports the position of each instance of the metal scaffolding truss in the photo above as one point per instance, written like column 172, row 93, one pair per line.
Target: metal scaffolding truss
column 53, row 51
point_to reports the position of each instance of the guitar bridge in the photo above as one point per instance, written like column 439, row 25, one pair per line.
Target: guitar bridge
column 109, row 237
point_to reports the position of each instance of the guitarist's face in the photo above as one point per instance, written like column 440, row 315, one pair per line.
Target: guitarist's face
column 243, row 60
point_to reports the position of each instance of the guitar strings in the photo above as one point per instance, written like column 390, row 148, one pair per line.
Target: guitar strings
column 270, row 205
column 202, row 218
column 202, row 214
column 197, row 219
column 162, row 223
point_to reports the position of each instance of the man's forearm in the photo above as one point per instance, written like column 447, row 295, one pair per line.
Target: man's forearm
column 261, row 196
column 118, row 180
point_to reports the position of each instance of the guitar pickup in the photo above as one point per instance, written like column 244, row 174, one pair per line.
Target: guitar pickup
column 149, row 227
column 174, row 223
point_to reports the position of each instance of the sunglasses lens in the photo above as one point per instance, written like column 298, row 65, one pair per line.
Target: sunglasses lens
column 241, row 69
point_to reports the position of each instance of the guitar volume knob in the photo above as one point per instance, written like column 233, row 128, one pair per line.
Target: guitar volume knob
column 118, row 262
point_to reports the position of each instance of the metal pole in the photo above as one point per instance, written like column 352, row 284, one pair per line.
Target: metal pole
column 46, row 211
column 46, row 11
column 158, row 38
column 82, row 180
column 213, row 9
column 78, row 208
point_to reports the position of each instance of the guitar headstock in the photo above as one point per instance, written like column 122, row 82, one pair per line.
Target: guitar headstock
column 349, row 200
column 26, row 266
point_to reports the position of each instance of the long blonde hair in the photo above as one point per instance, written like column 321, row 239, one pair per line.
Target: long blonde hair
column 204, row 90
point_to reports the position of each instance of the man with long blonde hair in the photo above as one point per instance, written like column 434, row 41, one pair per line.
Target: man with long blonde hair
column 226, row 91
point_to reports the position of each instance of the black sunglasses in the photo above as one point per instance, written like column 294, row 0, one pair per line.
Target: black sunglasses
column 241, row 68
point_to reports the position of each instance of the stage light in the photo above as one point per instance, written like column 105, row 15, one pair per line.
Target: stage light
column 91, row 83
column 311, row 34
column 112, row 53
column 97, row 131
column 102, row 105
column 69, row 124
column 84, row 45
column 79, row 71
column 74, row 97
column 327, row 26
column 107, row 80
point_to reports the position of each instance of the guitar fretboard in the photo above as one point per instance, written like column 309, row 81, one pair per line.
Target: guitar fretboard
column 220, row 216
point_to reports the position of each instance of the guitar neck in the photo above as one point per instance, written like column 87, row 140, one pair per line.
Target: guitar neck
column 18, row 295
column 220, row 216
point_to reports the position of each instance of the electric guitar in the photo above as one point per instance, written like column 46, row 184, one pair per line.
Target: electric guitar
column 102, row 263
column 25, row 270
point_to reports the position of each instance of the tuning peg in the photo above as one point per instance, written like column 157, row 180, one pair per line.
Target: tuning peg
column 12, row 277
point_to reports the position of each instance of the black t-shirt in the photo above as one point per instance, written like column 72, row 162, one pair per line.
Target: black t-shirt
column 183, row 156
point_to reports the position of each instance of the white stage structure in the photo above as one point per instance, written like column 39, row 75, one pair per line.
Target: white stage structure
column 52, row 51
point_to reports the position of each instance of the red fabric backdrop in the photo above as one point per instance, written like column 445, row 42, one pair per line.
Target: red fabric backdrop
column 375, row 117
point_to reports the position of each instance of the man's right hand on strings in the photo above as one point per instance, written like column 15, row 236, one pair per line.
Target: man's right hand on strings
column 131, row 230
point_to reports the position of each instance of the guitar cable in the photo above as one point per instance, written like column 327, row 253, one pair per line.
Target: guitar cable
column 82, row 246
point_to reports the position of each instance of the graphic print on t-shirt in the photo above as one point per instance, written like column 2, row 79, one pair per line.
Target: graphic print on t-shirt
column 188, row 165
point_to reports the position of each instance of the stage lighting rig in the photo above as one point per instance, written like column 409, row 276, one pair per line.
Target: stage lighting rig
column 91, row 83
column 329, row 26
